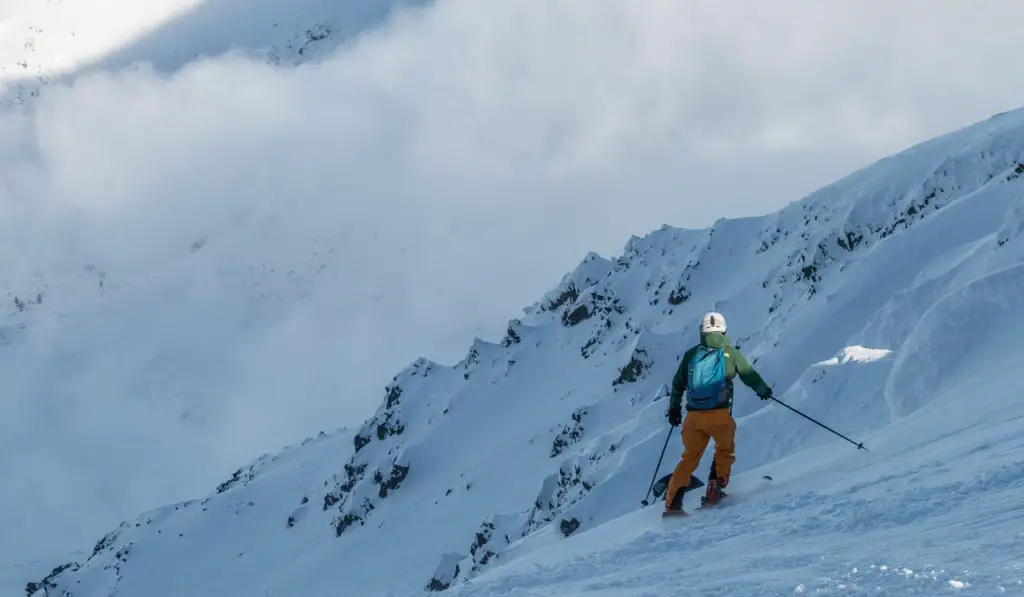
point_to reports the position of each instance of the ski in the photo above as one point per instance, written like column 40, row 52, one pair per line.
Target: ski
column 661, row 486
column 694, row 484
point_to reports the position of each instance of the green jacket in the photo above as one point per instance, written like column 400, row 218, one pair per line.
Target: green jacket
column 735, row 364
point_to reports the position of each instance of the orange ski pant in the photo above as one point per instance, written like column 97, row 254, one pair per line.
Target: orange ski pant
column 698, row 428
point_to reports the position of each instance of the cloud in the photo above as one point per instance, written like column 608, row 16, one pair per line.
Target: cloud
column 275, row 243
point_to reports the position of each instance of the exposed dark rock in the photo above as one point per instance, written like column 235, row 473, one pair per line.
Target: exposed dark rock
column 480, row 550
column 679, row 296
column 771, row 241
column 558, row 493
column 387, row 429
column 104, row 542
column 346, row 520
column 569, row 526
column 634, row 369
column 342, row 523
column 47, row 583
column 570, row 294
column 394, row 393
column 394, row 480
column 850, row 240
column 446, row 573
column 353, row 473
column 570, row 434
column 235, row 477
column 597, row 304
column 657, row 292
column 243, row 475
column 437, row 585
column 470, row 362
column 585, row 350
column 511, row 335
column 576, row 316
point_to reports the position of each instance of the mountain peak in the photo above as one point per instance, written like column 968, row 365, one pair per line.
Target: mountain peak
column 527, row 446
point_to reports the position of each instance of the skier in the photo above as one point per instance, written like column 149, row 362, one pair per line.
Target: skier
column 706, row 376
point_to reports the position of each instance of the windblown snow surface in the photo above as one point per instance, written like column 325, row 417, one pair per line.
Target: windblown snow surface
column 888, row 305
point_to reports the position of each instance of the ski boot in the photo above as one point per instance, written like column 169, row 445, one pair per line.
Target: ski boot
column 714, row 493
column 676, row 507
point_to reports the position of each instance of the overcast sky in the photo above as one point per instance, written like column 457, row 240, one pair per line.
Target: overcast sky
column 446, row 170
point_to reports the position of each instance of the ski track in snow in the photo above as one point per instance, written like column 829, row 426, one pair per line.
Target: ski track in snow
column 888, row 305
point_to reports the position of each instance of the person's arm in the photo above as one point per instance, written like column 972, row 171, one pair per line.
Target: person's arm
column 675, row 399
column 751, row 378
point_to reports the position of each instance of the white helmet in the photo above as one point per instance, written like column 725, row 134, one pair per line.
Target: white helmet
column 712, row 322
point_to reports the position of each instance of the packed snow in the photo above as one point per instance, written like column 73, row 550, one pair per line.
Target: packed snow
column 886, row 305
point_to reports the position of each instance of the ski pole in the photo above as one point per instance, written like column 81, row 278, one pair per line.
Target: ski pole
column 668, row 437
column 859, row 446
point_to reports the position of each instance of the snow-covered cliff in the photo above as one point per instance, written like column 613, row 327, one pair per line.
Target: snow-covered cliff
column 876, row 304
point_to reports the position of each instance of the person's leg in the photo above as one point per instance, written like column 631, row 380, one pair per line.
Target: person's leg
column 713, row 472
column 722, row 428
column 695, row 441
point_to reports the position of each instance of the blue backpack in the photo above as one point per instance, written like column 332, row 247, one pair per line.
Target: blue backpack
column 706, row 384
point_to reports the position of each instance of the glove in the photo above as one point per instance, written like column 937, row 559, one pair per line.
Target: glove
column 675, row 415
column 767, row 395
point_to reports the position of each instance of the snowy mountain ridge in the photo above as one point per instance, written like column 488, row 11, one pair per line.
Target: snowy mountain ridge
column 477, row 477
column 50, row 41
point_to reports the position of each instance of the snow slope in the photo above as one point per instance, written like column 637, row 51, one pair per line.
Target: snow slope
column 191, row 410
column 887, row 304
column 43, row 42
